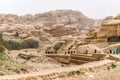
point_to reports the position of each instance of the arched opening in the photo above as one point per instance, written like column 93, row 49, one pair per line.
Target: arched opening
column 113, row 39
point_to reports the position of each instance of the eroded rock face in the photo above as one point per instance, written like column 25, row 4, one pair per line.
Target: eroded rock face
column 23, row 36
column 110, row 27
column 90, row 50
column 58, row 30
column 46, row 26
column 66, row 17
column 117, row 16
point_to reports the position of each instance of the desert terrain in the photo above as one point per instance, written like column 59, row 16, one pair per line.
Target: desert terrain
column 59, row 45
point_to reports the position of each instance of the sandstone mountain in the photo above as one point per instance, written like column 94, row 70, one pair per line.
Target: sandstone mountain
column 44, row 26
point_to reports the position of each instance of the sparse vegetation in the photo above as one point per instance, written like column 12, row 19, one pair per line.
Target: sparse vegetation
column 1, row 48
column 108, row 68
column 112, row 66
column 30, row 44
column 12, row 45
column 9, row 66
column 57, row 46
column 78, row 72
column 16, row 34
column 61, row 76
column 72, row 73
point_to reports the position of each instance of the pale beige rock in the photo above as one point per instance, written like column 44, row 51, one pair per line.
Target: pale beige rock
column 111, row 22
column 23, row 36
column 90, row 48
column 117, row 16
column 58, row 30
column 114, row 57
column 38, row 26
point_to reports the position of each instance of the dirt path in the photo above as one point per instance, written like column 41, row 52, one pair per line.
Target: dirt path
column 36, row 75
column 113, row 74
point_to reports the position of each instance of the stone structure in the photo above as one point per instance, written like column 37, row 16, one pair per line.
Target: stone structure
column 109, row 30
column 62, row 46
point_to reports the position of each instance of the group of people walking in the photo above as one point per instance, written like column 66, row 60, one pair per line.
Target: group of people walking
column 116, row 51
column 86, row 52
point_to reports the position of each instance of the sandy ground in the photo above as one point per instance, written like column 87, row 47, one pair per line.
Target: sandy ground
column 47, row 67
column 112, row 74
column 85, row 76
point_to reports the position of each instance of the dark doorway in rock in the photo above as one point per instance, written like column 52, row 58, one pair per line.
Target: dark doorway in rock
column 113, row 39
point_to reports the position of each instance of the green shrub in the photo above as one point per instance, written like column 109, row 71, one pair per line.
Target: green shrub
column 72, row 73
column 1, row 36
column 12, row 45
column 57, row 46
column 108, row 68
column 113, row 65
column 30, row 44
column 78, row 72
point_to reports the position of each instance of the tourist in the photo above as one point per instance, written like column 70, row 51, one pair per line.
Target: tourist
column 68, row 52
column 95, row 51
column 116, row 51
column 86, row 52
column 110, row 51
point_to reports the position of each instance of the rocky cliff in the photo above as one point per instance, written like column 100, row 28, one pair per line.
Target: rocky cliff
column 44, row 26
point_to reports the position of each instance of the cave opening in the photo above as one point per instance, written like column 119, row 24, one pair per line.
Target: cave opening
column 113, row 39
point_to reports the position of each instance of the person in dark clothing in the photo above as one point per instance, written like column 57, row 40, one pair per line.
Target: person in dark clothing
column 86, row 52
column 68, row 52
column 110, row 51
column 95, row 51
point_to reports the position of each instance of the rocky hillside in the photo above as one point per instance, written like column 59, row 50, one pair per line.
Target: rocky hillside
column 44, row 26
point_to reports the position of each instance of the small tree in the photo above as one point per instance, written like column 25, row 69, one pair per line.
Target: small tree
column 57, row 46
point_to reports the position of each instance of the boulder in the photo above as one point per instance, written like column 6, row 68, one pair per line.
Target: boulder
column 90, row 49
column 38, row 26
column 114, row 57
column 117, row 16
column 23, row 36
